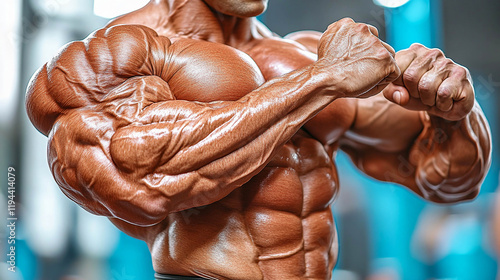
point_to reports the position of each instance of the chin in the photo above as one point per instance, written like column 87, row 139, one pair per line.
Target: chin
column 248, row 8
column 253, row 11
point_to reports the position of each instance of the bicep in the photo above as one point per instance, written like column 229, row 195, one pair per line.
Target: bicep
column 380, row 140
column 383, row 126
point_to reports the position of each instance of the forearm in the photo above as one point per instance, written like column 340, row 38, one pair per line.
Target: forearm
column 440, row 160
column 190, row 135
column 452, row 158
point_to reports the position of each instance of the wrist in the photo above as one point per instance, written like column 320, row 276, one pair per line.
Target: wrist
column 329, row 80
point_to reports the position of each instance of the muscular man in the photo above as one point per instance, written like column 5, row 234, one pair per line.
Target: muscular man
column 194, row 128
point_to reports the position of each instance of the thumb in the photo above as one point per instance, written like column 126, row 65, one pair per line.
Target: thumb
column 397, row 94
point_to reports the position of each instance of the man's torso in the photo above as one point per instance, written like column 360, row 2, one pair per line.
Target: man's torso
column 279, row 224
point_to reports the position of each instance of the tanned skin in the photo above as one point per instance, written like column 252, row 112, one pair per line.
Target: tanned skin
column 196, row 129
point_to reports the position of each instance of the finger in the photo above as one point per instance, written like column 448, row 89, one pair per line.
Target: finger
column 444, row 98
column 418, row 67
column 455, row 98
column 456, row 87
column 403, row 58
column 429, row 84
column 413, row 74
column 416, row 104
column 373, row 29
column 396, row 94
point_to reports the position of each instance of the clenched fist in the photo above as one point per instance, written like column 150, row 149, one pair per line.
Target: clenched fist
column 360, row 64
column 431, row 82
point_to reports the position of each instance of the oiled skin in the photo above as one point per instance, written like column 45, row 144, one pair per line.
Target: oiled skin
column 221, row 158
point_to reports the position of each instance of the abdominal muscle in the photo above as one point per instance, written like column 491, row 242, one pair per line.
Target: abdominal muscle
column 279, row 225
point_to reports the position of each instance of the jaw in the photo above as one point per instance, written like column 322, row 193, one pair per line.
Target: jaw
column 239, row 8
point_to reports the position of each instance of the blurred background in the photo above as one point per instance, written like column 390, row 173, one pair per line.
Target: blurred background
column 385, row 232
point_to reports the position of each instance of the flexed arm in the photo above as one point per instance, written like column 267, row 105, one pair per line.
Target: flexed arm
column 121, row 145
column 433, row 137
column 179, row 161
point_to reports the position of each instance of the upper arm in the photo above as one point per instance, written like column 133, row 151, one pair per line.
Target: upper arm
column 120, row 143
column 80, row 159
column 90, row 90
column 380, row 139
column 382, row 125
column 86, row 73
column 441, row 161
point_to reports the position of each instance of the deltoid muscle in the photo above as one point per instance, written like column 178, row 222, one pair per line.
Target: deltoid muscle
column 92, row 72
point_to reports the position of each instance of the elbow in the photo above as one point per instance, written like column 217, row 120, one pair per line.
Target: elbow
column 458, row 182
column 452, row 191
column 444, row 198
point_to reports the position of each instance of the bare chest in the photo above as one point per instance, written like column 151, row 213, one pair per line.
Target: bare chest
column 299, row 180
column 280, row 218
column 205, row 71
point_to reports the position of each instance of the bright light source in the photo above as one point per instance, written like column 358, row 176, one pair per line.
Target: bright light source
column 11, row 41
column 390, row 3
column 114, row 8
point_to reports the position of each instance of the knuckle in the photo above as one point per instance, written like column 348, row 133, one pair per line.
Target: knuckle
column 443, row 64
column 424, row 85
column 444, row 93
column 461, row 71
column 347, row 20
column 362, row 27
column 342, row 22
column 436, row 52
column 332, row 26
column 384, row 54
column 433, row 56
column 448, row 61
column 410, row 75
column 417, row 47
column 467, row 72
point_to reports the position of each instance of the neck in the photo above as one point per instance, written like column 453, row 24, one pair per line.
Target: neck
column 195, row 19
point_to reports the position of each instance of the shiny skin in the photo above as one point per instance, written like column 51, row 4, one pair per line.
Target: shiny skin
column 213, row 140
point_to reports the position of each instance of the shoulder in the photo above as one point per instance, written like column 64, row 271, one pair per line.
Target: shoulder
column 308, row 38
column 151, row 15
column 277, row 56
